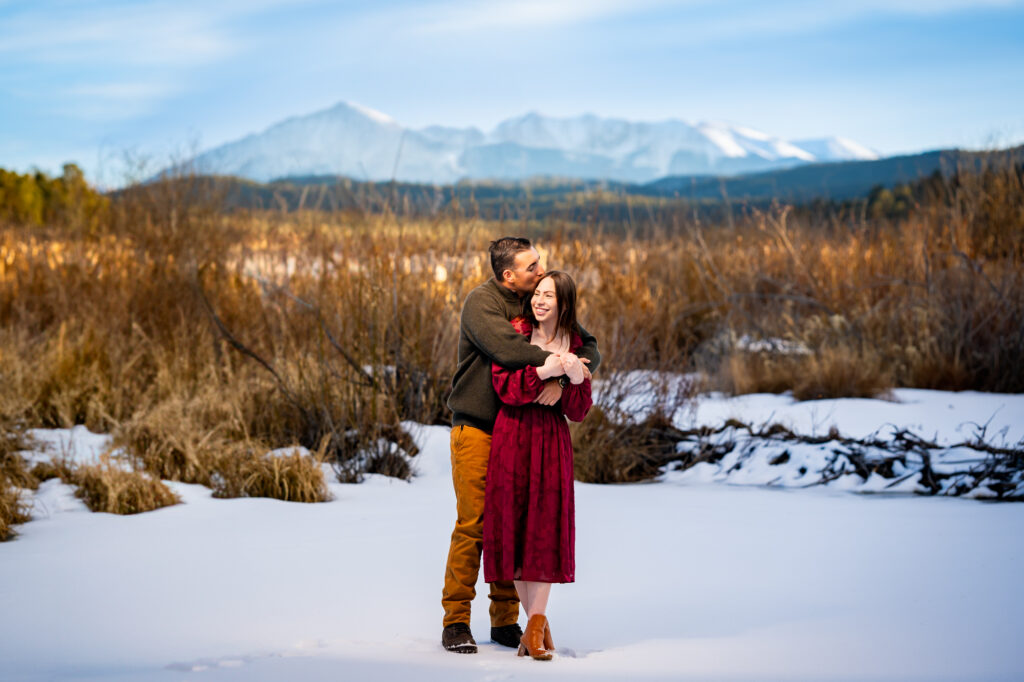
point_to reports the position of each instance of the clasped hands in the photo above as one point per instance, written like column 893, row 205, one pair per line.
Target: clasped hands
column 556, row 365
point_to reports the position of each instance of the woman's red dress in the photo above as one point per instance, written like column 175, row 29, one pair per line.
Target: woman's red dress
column 529, row 512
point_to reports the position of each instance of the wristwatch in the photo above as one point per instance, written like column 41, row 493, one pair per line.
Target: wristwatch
column 563, row 381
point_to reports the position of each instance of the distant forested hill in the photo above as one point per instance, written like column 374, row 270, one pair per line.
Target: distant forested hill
column 589, row 199
column 835, row 181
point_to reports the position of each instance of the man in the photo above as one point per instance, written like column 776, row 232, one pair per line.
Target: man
column 485, row 337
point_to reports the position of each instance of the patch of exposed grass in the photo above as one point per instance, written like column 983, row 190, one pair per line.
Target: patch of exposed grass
column 15, row 477
column 53, row 468
column 842, row 372
column 831, row 372
column 294, row 477
column 13, row 509
column 107, row 487
column 13, row 467
column 175, row 441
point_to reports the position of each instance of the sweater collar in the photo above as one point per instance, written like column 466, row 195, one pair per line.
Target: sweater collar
column 506, row 292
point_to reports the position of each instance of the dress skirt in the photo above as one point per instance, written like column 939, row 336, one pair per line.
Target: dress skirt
column 529, row 510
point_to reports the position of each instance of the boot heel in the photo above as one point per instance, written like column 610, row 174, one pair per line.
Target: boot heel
column 522, row 649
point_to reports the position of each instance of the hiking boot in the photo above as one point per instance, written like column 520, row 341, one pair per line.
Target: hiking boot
column 507, row 635
column 458, row 639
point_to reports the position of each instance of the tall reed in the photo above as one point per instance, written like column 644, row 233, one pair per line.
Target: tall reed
column 184, row 329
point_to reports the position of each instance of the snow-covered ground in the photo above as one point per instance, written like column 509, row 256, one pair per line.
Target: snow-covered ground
column 684, row 578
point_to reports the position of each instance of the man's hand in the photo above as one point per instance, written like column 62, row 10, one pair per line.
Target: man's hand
column 551, row 393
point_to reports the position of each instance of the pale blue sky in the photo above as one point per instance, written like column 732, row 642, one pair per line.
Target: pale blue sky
column 89, row 81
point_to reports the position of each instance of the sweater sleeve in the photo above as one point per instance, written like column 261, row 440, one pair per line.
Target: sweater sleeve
column 576, row 400
column 516, row 386
column 484, row 322
column 589, row 350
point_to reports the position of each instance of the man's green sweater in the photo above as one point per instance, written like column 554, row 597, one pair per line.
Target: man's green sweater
column 485, row 337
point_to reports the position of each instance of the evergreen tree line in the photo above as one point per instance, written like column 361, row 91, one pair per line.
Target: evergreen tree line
column 36, row 199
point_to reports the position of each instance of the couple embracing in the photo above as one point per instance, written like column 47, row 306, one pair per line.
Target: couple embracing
column 522, row 369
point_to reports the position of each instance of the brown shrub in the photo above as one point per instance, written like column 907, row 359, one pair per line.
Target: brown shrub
column 744, row 372
column 14, row 476
column 606, row 451
column 13, row 509
column 56, row 467
column 75, row 386
column 838, row 371
column 295, row 477
column 842, row 372
column 13, row 467
column 613, row 445
column 107, row 487
column 175, row 441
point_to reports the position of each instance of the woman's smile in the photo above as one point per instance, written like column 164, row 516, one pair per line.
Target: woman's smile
column 544, row 302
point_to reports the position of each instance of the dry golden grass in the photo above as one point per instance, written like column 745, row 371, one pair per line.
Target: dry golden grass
column 13, row 509
column 829, row 372
column 107, row 487
column 55, row 467
column 177, row 440
column 294, row 477
column 15, row 476
column 188, row 442
column 13, row 467
column 188, row 332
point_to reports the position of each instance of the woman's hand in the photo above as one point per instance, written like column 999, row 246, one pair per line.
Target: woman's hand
column 552, row 367
column 573, row 368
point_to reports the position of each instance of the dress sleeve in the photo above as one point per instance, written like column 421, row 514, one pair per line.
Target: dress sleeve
column 516, row 386
column 576, row 400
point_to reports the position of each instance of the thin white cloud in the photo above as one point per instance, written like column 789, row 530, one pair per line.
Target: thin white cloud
column 936, row 6
column 470, row 17
column 120, row 91
column 738, row 20
column 142, row 35
column 120, row 59
column 185, row 32
column 111, row 100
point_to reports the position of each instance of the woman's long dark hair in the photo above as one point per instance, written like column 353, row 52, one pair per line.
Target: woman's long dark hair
column 565, row 297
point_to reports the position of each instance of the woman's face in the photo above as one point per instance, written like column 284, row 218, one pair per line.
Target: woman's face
column 544, row 301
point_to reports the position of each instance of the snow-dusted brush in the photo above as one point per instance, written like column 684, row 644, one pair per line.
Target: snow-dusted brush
column 629, row 434
column 893, row 459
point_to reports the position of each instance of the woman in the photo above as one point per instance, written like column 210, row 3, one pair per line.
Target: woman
column 529, row 525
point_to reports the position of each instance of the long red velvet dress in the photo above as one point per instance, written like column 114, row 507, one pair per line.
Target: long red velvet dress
column 529, row 512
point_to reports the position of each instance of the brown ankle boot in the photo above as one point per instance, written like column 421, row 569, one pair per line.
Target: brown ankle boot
column 535, row 637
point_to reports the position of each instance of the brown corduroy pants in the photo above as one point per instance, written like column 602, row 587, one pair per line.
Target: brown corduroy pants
column 471, row 449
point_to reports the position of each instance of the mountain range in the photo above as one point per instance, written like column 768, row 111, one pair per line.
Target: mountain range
column 354, row 141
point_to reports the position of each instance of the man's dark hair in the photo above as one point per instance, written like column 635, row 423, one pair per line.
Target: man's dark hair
column 503, row 253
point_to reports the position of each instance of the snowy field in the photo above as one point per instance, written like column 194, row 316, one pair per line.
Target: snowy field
column 691, row 577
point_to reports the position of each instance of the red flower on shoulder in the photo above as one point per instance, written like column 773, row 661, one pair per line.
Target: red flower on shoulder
column 522, row 325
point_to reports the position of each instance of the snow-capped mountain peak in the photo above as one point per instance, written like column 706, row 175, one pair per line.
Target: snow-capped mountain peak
column 360, row 142
column 836, row 149
column 372, row 114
